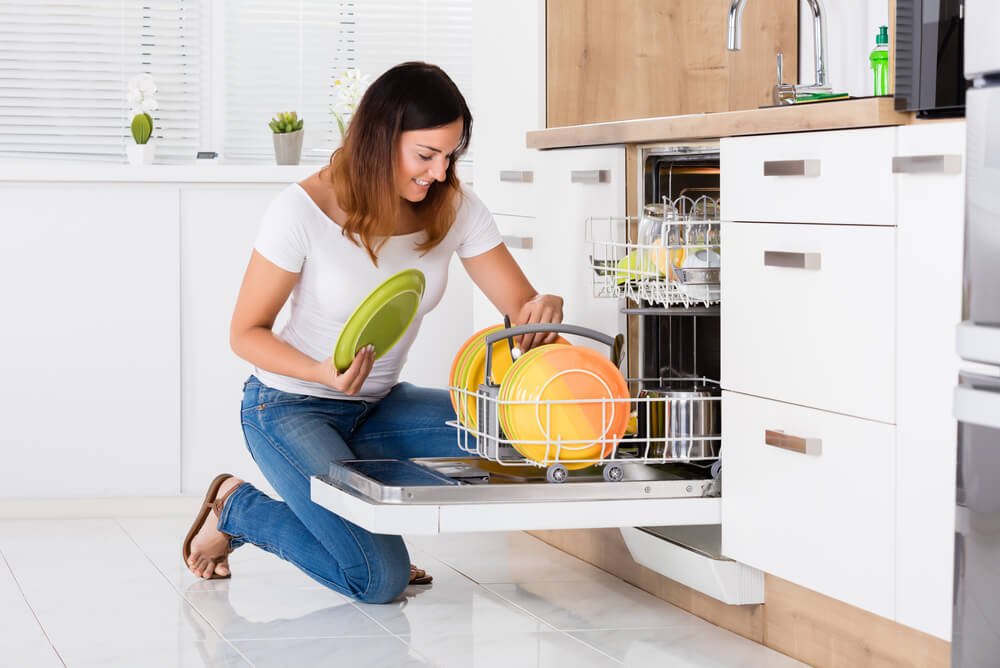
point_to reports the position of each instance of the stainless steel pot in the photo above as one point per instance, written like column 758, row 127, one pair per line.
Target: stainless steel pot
column 677, row 422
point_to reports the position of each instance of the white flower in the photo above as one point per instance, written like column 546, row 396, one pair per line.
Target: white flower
column 142, row 95
column 350, row 86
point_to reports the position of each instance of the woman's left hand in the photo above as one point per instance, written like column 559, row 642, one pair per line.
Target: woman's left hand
column 539, row 309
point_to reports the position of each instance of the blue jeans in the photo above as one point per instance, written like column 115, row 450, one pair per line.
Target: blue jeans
column 293, row 437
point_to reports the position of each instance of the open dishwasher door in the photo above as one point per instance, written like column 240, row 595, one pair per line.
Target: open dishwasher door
column 432, row 496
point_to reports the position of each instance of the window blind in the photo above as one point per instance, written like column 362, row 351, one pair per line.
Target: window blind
column 64, row 72
column 308, row 43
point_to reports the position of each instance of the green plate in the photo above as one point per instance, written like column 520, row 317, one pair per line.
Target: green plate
column 382, row 318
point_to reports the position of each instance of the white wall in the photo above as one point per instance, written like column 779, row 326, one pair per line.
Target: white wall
column 851, row 26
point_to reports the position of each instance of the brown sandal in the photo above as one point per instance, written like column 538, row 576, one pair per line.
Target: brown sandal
column 418, row 576
column 211, row 503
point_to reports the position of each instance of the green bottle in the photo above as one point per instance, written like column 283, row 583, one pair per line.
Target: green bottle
column 879, row 59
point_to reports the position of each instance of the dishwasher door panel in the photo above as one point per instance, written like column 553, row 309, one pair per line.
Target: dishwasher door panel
column 517, row 500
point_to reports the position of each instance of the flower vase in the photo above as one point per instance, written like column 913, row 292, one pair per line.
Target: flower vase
column 288, row 147
column 140, row 154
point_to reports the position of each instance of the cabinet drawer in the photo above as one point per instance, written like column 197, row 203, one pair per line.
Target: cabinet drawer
column 808, row 317
column 526, row 243
column 843, row 176
column 507, row 182
column 823, row 520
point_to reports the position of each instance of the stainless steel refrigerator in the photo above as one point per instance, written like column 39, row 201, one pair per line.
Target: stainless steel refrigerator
column 976, row 620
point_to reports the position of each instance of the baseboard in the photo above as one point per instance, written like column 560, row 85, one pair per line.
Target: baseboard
column 807, row 626
column 33, row 509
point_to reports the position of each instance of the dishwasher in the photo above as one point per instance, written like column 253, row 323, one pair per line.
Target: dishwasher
column 664, row 471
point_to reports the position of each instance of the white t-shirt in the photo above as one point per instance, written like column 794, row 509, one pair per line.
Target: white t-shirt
column 336, row 275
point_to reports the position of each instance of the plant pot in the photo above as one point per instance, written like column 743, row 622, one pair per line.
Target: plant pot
column 288, row 147
column 140, row 154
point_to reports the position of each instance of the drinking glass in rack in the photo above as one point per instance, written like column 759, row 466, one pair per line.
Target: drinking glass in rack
column 673, row 259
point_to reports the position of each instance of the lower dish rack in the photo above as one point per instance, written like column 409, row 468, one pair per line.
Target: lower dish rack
column 665, row 425
column 670, row 420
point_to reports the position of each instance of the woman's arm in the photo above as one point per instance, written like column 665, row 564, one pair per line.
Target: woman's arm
column 264, row 291
column 500, row 278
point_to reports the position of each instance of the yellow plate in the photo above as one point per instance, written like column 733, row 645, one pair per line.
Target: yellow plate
column 565, row 373
column 457, row 366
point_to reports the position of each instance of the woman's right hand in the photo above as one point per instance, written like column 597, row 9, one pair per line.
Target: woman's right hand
column 350, row 381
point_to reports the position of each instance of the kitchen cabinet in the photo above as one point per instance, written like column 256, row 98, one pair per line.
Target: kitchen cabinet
column 131, row 291
column 527, row 245
column 842, row 177
column 869, row 348
column 91, row 355
column 930, row 205
column 611, row 61
column 823, row 517
column 807, row 317
column 218, row 227
column 581, row 183
column 508, row 101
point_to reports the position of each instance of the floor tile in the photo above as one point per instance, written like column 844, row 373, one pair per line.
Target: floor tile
column 161, row 538
column 115, row 593
column 699, row 646
column 506, row 557
column 21, row 637
column 502, row 650
column 603, row 604
column 260, row 611
column 452, row 604
column 387, row 652
column 101, row 601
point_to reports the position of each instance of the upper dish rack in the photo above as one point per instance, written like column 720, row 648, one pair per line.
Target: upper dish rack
column 677, row 263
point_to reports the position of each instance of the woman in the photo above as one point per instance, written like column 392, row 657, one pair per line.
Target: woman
column 389, row 200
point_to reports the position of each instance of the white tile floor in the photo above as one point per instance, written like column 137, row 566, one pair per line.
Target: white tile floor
column 115, row 593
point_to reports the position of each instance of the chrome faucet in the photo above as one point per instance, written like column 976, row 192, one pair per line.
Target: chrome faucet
column 781, row 90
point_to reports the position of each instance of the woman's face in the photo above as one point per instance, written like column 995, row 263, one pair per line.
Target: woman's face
column 423, row 157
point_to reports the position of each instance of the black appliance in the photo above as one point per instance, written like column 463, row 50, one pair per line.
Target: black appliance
column 929, row 74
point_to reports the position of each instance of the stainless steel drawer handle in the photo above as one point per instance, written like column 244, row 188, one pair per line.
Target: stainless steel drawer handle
column 805, row 446
column 518, row 242
column 792, row 260
column 516, row 177
column 590, row 176
column 927, row 164
column 791, row 168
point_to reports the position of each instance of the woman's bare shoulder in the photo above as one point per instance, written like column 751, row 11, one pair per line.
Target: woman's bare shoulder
column 322, row 193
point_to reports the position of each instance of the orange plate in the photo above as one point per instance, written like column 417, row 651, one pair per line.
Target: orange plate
column 565, row 373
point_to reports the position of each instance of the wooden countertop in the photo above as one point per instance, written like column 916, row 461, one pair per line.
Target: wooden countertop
column 840, row 114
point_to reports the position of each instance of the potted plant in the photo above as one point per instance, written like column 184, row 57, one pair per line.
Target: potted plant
column 287, row 133
column 142, row 100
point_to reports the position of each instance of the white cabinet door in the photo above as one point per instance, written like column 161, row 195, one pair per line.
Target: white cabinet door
column 807, row 315
column 90, row 354
column 822, row 520
column 525, row 239
column 218, row 229
column 442, row 332
column 841, row 176
column 509, row 99
column 929, row 216
column 580, row 183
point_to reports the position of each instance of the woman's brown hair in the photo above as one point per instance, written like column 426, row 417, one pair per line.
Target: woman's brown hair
column 410, row 96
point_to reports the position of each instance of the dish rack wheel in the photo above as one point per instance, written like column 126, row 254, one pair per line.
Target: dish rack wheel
column 556, row 473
